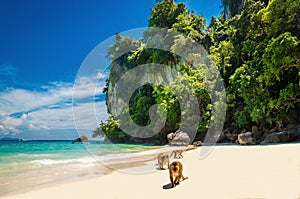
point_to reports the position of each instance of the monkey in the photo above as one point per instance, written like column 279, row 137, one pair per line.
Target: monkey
column 162, row 160
column 177, row 154
column 191, row 147
column 197, row 143
column 175, row 170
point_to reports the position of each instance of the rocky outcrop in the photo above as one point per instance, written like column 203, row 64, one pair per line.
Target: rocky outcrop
column 277, row 137
column 179, row 138
column 278, row 134
column 294, row 134
column 232, row 7
column 289, row 134
column 11, row 139
column 80, row 139
column 116, row 94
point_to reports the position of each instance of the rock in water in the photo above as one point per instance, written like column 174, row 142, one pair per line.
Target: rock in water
column 80, row 139
column 246, row 138
column 179, row 138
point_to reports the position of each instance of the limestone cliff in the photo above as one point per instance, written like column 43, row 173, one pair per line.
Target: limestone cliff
column 232, row 7
column 117, row 91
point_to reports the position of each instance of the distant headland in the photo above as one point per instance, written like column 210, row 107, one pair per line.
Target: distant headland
column 11, row 139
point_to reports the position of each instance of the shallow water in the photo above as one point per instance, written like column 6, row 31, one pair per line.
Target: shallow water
column 24, row 165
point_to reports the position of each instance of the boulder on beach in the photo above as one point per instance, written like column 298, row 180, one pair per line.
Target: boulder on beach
column 179, row 138
column 276, row 137
column 245, row 138
column 294, row 134
column 80, row 139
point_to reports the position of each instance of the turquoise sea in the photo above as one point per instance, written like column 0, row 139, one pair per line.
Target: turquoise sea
column 26, row 164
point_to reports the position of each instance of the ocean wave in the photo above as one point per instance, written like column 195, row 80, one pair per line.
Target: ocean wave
column 51, row 162
column 34, row 155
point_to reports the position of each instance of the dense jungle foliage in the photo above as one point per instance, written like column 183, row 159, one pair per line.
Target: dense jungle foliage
column 257, row 53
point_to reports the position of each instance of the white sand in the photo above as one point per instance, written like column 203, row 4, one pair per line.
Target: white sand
column 228, row 172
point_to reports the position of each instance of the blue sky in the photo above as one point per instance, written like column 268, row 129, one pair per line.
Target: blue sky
column 43, row 44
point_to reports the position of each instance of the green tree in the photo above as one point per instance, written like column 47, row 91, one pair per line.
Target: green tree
column 257, row 52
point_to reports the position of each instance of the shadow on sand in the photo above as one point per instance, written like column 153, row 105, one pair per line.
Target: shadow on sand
column 167, row 186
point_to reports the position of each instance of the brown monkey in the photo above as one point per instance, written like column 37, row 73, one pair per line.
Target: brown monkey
column 175, row 170
column 162, row 160
column 177, row 154
column 197, row 143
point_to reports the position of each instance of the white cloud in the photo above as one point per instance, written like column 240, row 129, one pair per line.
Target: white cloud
column 101, row 75
column 51, row 108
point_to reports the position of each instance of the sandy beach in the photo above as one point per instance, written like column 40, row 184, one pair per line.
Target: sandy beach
column 229, row 171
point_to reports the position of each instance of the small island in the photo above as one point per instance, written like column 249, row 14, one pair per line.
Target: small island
column 80, row 139
column 11, row 139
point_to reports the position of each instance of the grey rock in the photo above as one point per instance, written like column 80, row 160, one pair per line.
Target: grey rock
column 277, row 137
column 246, row 138
column 294, row 134
column 179, row 138
column 80, row 139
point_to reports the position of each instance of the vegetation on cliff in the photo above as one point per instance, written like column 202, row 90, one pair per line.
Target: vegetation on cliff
column 257, row 53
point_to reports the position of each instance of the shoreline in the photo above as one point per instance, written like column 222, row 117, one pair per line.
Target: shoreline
column 229, row 171
column 98, row 167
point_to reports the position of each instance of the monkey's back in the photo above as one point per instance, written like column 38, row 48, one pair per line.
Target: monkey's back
column 175, row 169
column 163, row 158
